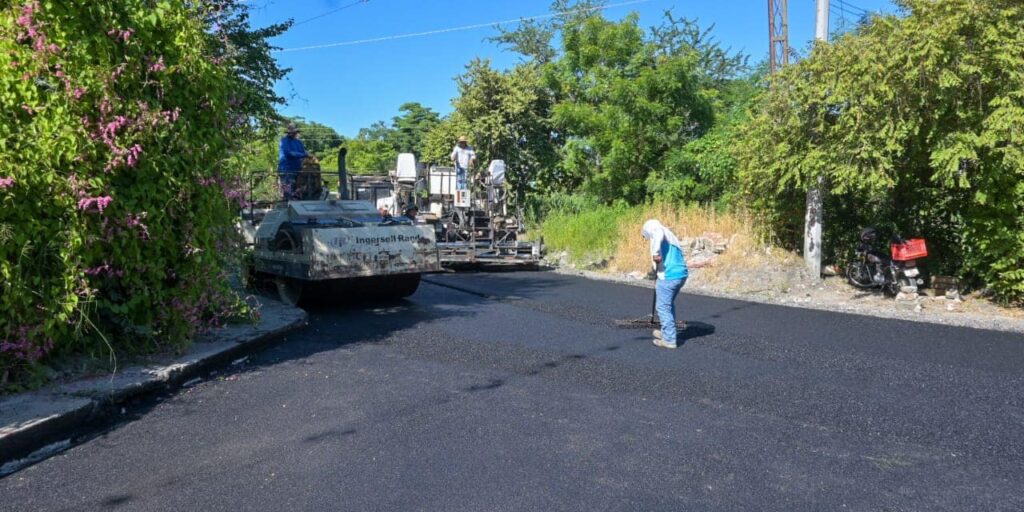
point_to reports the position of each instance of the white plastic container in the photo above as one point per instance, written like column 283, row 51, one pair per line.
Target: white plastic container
column 497, row 172
column 406, row 169
column 442, row 181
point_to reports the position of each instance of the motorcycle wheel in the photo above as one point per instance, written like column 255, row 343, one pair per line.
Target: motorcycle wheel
column 859, row 275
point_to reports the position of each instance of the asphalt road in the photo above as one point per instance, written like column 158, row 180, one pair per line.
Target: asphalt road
column 522, row 395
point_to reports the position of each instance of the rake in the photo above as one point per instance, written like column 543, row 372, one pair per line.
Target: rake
column 649, row 321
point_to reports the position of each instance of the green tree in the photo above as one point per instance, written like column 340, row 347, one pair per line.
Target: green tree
column 439, row 141
column 624, row 106
column 247, row 50
column 534, row 39
column 409, row 129
column 505, row 113
column 370, row 156
column 319, row 139
column 913, row 122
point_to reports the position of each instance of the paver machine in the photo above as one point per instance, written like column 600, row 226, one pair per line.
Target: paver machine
column 475, row 225
column 323, row 245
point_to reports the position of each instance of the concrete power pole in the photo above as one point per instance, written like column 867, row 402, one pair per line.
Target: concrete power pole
column 778, row 34
column 813, row 215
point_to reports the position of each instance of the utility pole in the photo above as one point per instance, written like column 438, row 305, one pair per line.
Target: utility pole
column 813, row 214
column 778, row 34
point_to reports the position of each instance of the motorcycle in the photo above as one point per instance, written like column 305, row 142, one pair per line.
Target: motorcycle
column 892, row 273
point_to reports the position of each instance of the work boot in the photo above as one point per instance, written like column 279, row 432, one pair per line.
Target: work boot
column 658, row 342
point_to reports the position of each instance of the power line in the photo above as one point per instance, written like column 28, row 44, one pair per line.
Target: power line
column 855, row 7
column 328, row 13
column 456, row 29
column 841, row 8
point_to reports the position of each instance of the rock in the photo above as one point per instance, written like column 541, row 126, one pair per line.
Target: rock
column 908, row 298
column 636, row 274
column 718, row 242
column 700, row 259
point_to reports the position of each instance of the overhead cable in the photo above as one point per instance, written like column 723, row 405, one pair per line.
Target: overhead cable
column 328, row 13
column 457, row 29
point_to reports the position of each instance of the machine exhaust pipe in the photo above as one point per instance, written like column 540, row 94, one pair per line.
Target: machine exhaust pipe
column 342, row 174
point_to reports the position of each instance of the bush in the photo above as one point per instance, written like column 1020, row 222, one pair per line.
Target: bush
column 118, row 122
column 912, row 122
column 587, row 234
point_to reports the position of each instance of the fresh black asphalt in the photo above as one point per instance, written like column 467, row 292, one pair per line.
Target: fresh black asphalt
column 515, row 391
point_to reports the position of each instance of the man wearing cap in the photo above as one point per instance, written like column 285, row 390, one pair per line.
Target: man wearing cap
column 289, row 161
column 463, row 157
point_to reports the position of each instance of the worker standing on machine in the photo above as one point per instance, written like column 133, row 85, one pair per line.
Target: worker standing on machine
column 464, row 159
column 289, row 161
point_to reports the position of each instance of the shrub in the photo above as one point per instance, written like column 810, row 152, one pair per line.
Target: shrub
column 913, row 122
column 587, row 234
column 118, row 124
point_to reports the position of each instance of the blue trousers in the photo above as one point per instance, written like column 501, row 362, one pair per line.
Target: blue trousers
column 460, row 178
column 666, row 291
column 288, row 181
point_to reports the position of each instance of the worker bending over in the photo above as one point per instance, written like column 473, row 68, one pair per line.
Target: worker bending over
column 670, row 263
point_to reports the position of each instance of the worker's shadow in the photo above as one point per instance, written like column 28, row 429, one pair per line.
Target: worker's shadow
column 694, row 330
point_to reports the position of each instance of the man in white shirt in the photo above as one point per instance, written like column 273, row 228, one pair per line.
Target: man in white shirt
column 464, row 158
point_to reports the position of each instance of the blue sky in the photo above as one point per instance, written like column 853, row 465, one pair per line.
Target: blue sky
column 353, row 85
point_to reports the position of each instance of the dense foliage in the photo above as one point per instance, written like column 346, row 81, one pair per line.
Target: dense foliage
column 119, row 125
column 612, row 112
column 626, row 105
column 914, row 122
column 501, row 112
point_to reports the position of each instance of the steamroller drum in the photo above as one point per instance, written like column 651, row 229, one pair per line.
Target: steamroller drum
column 290, row 290
column 286, row 239
column 400, row 286
column 357, row 290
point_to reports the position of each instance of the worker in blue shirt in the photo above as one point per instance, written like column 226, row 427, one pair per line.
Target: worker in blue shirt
column 670, row 263
column 289, row 161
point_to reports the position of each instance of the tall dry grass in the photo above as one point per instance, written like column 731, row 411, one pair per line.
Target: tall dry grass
column 748, row 248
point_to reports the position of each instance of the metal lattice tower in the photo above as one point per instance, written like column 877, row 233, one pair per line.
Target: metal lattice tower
column 778, row 34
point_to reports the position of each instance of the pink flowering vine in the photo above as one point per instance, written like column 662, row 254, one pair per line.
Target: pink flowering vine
column 158, row 65
column 134, row 221
column 23, row 347
column 6, row 182
column 118, row 71
column 89, row 204
column 120, row 35
column 33, row 30
column 133, row 155
column 106, row 269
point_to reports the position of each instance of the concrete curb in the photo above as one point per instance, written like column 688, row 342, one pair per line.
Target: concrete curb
column 32, row 421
